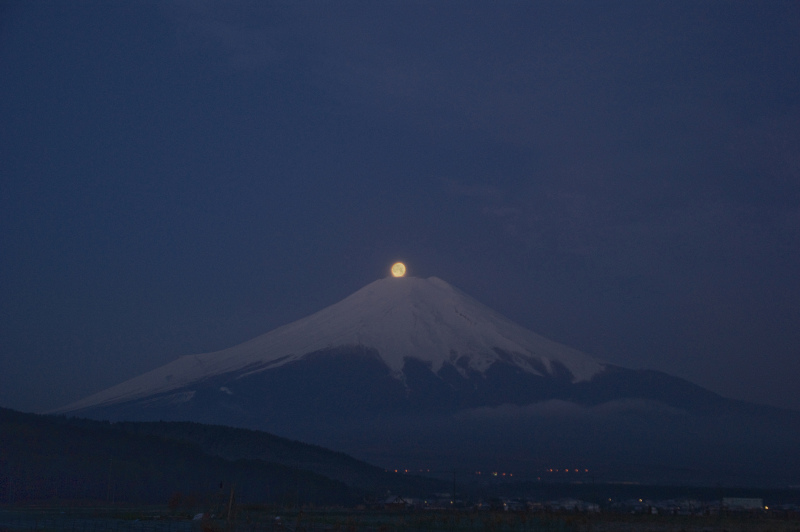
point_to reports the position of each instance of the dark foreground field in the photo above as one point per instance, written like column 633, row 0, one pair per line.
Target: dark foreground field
column 263, row 519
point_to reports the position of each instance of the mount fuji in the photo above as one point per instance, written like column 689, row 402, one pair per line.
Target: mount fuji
column 413, row 373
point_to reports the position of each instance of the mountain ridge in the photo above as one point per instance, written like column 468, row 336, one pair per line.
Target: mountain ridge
column 53, row 457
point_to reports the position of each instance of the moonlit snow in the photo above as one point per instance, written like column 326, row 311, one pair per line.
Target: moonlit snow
column 426, row 319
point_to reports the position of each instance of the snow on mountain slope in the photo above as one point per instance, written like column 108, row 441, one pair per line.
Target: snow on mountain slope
column 426, row 319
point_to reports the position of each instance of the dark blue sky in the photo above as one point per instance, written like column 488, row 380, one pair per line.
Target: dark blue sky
column 178, row 177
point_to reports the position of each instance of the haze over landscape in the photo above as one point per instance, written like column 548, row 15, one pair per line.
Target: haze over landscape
column 621, row 178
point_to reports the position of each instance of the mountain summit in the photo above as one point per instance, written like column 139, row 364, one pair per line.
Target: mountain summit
column 426, row 320
column 413, row 372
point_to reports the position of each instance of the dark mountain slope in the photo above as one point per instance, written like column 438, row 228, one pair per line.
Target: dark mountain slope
column 236, row 444
column 45, row 457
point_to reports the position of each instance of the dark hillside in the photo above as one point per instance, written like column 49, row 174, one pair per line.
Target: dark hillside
column 235, row 444
column 44, row 457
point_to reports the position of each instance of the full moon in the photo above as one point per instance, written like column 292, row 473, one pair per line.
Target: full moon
column 398, row 269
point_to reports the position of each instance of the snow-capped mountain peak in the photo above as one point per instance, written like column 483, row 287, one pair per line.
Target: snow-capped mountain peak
column 400, row 318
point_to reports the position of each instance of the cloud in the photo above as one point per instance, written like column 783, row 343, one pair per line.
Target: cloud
column 565, row 410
